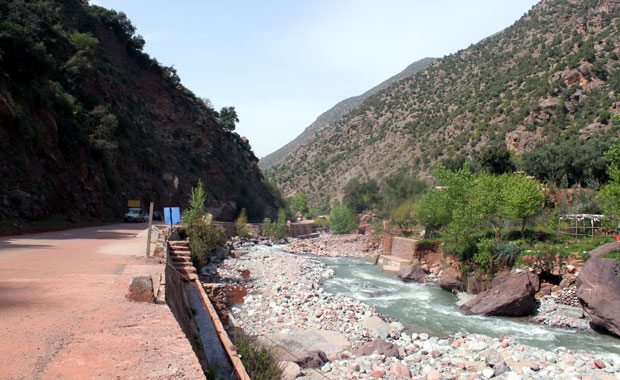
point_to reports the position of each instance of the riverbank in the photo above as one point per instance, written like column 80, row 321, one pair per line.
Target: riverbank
column 287, row 304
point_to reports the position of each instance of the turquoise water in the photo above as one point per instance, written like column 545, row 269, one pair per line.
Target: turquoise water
column 428, row 308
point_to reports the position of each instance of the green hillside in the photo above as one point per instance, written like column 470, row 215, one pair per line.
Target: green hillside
column 543, row 88
column 88, row 121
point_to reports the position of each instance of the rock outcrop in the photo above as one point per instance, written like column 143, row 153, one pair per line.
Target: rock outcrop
column 512, row 297
column 412, row 273
column 598, row 288
column 451, row 280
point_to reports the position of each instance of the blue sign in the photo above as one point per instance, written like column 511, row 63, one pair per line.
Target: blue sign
column 172, row 215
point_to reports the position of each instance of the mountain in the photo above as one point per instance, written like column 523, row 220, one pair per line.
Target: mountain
column 89, row 121
column 336, row 112
column 544, row 88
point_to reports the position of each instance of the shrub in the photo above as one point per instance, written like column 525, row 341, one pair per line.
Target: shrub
column 241, row 224
column 507, row 254
column 342, row 220
column 203, row 234
column 484, row 257
column 275, row 229
column 259, row 361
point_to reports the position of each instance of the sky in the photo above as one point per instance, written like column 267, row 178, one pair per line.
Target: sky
column 281, row 63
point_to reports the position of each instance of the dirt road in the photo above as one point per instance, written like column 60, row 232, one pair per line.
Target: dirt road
column 63, row 314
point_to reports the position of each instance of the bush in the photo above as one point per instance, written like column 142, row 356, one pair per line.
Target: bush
column 259, row 361
column 241, row 224
column 275, row 229
column 507, row 254
column 342, row 220
column 203, row 234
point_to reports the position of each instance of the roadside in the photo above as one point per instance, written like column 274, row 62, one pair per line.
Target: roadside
column 64, row 312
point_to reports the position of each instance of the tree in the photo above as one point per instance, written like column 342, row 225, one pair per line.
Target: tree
column 522, row 198
column 488, row 199
column 361, row 196
column 496, row 159
column 228, row 118
column 342, row 220
column 299, row 203
column 610, row 193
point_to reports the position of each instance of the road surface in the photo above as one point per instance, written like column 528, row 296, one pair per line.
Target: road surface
column 63, row 314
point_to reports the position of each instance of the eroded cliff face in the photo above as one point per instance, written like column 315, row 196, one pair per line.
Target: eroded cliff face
column 91, row 121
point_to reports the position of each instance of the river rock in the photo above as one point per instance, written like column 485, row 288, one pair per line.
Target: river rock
column 381, row 346
column 451, row 280
column 307, row 359
column 400, row 370
column 598, row 288
column 141, row 289
column 512, row 297
column 290, row 370
column 412, row 273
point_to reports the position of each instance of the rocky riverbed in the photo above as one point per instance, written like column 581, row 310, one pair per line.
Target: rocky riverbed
column 287, row 305
column 353, row 245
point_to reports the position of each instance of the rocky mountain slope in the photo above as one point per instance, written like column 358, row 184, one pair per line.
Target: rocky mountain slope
column 544, row 88
column 336, row 112
column 88, row 121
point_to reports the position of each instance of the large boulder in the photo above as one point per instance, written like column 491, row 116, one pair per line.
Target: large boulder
column 307, row 359
column 512, row 297
column 412, row 273
column 381, row 346
column 598, row 288
column 451, row 280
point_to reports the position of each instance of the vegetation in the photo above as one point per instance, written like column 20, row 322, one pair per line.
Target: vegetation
column 275, row 229
column 342, row 220
column 258, row 360
column 241, row 227
column 81, row 121
column 299, row 203
column 197, row 222
column 536, row 97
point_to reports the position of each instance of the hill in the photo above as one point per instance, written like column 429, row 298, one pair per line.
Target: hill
column 88, row 121
column 543, row 88
column 336, row 112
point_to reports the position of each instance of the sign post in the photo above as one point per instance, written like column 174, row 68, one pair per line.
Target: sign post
column 148, row 233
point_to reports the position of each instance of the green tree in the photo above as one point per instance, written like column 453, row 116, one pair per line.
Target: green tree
column 361, row 196
column 495, row 159
column 299, row 203
column 610, row 192
column 488, row 199
column 522, row 198
column 342, row 220
column 228, row 118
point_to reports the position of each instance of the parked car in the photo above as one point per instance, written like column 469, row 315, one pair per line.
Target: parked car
column 157, row 215
column 135, row 214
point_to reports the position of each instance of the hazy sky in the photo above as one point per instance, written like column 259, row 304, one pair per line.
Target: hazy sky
column 283, row 63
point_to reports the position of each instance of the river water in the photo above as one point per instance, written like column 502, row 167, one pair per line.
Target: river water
column 428, row 308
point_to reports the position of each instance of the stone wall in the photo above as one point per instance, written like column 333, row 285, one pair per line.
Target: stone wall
column 299, row 229
column 403, row 248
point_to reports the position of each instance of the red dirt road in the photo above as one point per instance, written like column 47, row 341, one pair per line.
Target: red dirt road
column 63, row 314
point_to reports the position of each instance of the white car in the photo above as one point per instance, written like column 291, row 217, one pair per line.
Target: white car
column 135, row 214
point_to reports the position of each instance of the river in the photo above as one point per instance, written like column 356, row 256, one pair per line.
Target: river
column 428, row 308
